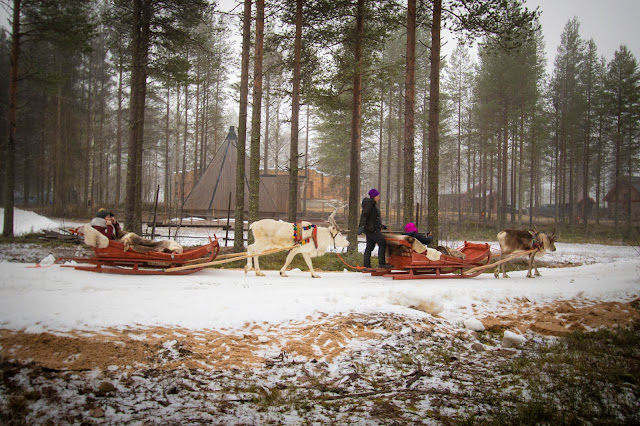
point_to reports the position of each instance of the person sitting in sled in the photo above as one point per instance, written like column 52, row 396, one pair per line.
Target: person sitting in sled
column 105, row 222
column 411, row 230
column 371, row 225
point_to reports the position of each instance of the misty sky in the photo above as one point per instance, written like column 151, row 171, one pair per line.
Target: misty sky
column 610, row 23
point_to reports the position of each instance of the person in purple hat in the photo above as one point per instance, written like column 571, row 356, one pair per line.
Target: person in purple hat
column 371, row 225
column 412, row 230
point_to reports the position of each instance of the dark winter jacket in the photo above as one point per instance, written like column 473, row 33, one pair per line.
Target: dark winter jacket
column 370, row 219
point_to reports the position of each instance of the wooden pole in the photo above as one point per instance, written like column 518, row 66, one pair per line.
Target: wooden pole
column 155, row 213
column 229, row 259
column 491, row 265
column 226, row 237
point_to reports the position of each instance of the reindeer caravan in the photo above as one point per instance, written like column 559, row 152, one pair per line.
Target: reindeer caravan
column 127, row 253
column 118, row 252
column 407, row 256
column 412, row 260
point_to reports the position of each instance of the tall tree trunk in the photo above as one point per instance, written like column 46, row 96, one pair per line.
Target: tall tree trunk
column 295, row 115
column 139, row 58
column 425, row 144
column 10, row 154
column 265, row 165
column 409, row 113
column 184, row 144
column 119, row 136
column 387, row 198
column 306, row 165
column 380, row 138
column 532, row 170
column 599, row 165
column 434, row 121
column 238, row 241
column 167, row 166
column 196, row 133
column 254, row 165
column 458, row 152
column 176, row 151
column 90, row 154
column 104, row 153
column 502, row 214
column 519, row 179
column 356, row 117
column 59, row 202
column 585, row 174
column 399, row 160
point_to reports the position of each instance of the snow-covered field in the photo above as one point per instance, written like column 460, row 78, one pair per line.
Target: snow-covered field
column 267, row 318
column 57, row 298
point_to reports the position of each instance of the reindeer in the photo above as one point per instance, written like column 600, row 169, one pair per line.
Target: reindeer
column 515, row 241
column 269, row 233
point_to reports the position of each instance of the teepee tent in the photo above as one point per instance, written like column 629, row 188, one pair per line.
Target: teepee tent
column 210, row 196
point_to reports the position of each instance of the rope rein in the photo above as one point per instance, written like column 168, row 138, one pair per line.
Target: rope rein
column 359, row 268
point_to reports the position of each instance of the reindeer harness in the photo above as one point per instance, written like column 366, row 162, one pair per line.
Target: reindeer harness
column 297, row 235
column 537, row 242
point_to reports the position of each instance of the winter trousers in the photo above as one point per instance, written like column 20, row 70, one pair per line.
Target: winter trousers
column 374, row 238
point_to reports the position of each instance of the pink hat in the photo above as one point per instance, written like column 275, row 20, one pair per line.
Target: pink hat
column 410, row 227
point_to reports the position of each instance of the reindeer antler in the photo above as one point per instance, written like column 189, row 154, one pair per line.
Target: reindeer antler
column 332, row 218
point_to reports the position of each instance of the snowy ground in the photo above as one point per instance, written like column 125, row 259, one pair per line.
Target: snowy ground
column 115, row 327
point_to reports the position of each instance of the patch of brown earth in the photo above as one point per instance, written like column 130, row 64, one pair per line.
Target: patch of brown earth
column 321, row 338
column 564, row 317
column 171, row 348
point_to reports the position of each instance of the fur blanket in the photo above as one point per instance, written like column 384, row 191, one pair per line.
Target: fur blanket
column 143, row 245
column 93, row 237
column 417, row 246
column 451, row 252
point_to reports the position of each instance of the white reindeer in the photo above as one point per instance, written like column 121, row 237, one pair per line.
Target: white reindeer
column 270, row 233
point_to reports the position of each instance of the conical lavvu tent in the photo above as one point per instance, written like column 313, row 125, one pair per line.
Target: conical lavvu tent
column 210, row 196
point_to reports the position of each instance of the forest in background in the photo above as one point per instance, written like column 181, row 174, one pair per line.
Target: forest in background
column 115, row 99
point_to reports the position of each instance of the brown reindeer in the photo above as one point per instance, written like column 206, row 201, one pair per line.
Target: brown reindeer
column 516, row 241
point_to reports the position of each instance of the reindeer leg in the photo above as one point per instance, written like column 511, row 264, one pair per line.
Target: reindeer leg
column 535, row 265
column 307, row 258
column 504, row 270
column 259, row 273
column 531, row 256
column 290, row 257
column 249, row 266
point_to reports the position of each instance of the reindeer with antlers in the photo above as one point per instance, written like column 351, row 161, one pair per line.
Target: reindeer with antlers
column 309, row 240
column 515, row 240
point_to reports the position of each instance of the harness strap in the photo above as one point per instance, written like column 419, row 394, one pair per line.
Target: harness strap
column 297, row 234
column 537, row 242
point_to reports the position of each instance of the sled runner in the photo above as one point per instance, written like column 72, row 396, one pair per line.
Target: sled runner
column 411, row 265
column 114, row 259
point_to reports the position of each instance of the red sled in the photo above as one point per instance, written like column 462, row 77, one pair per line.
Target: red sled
column 115, row 260
column 408, row 264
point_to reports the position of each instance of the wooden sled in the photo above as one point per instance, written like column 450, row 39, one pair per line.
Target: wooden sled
column 410, row 265
column 114, row 260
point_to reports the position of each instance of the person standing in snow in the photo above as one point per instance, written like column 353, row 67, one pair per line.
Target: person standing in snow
column 105, row 222
column 371, row 225
column 411, row 230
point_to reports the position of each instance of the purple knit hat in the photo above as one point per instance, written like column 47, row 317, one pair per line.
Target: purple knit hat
column 410, row 227
column 373, row 193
